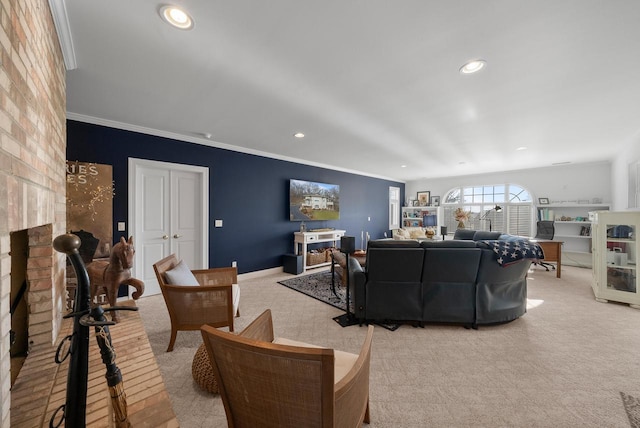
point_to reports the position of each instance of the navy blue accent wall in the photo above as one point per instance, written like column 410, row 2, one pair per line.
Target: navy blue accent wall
column 249, row 193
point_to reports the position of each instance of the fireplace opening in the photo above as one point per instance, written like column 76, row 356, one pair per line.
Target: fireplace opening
column 19, row 309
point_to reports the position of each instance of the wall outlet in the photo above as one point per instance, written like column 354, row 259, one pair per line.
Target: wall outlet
column 218, row 223
column 368, row 218
column 122, row 226
column 234, row 264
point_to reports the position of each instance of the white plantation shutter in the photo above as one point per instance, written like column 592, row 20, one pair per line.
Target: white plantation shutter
column 515, row 218
column 519, row 219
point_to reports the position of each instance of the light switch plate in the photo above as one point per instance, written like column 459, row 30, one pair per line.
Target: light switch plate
column 218, row 223
column 122, row 226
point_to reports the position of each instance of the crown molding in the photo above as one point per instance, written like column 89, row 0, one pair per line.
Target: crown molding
column 61, row 21
column 206, row 142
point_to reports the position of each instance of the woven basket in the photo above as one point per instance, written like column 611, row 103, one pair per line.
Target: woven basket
column 316, row 258
column 202, row 371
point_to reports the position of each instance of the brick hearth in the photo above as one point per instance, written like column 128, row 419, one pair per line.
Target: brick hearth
column 41, row 385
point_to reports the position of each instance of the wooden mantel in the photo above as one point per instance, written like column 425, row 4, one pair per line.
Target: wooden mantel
column 41, row 385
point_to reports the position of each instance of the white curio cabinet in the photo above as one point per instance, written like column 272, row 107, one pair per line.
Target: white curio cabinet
column 615, row 255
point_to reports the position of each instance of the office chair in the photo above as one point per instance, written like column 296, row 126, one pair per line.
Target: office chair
column 545, row 230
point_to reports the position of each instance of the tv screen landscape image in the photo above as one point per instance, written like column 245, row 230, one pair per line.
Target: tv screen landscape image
column 310, row 201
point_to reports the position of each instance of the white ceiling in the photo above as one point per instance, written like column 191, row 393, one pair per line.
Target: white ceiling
column 374, row 84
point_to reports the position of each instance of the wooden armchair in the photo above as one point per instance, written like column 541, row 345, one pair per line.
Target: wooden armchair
column 283, row 383
column 191, row 306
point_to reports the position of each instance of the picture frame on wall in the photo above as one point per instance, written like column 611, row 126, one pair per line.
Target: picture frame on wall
column 543, row 201
column 423, row 198
column 435, row 201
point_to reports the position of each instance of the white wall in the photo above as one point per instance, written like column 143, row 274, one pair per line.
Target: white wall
column 558, row 183
column 620, row 174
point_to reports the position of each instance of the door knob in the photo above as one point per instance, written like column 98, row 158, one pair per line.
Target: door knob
column 176, row 236
column 165, row 237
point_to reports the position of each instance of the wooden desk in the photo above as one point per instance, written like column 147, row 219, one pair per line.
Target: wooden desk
column 552, row 252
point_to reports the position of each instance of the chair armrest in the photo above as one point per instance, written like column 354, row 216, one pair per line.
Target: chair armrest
column 196, row 288
column 352, row 391
column 260, row 329
column 225, row 275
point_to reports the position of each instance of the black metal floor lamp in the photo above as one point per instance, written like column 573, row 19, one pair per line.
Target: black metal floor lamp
column 347, row 246
column 497, row 209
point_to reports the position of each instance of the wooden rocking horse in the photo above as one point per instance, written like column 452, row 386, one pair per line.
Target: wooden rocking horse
column 108, row 276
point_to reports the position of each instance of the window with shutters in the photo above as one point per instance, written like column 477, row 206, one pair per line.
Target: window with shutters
column 506, row 208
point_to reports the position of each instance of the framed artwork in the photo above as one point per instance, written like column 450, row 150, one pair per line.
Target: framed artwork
column 90, row 202
column 543, row 201
column 435, row 201
column 423, row 198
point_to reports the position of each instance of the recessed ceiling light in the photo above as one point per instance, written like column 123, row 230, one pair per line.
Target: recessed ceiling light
column 521, row 148
column 473, row 66
column 176, row 17
column 403, row 166
column 298, row 135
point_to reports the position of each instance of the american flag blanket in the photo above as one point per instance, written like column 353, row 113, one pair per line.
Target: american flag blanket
column 508, row 252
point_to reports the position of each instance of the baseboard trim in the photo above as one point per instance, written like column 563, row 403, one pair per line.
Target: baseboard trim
column 260, row 273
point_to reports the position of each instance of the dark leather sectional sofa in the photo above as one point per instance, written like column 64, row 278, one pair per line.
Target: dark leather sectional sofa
column 454, row 281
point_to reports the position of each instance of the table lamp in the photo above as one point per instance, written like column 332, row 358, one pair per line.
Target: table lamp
column 443, row 231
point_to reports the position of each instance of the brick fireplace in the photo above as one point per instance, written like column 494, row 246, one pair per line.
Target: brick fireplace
column 39, row 277
column 32, row 171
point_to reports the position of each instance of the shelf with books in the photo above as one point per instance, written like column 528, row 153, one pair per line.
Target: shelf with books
column 572, row 226
column 414, row 216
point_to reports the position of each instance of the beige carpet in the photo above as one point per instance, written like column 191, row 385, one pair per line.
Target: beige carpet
column 568, row 362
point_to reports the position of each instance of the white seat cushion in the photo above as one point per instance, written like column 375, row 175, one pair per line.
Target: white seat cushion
column 344, row 361
column 235, row 296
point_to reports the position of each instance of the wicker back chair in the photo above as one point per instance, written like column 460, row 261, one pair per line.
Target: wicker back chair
column 190, row 307
column 272, row 383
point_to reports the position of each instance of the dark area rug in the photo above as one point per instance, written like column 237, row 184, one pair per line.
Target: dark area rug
column 632, row 407
column 318, row 286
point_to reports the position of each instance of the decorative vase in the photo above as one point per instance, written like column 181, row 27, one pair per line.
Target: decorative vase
column 460, row 225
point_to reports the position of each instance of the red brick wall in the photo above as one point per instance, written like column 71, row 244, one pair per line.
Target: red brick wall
column 32, row 167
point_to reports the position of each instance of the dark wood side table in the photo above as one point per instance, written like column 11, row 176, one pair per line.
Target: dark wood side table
column 338, row 258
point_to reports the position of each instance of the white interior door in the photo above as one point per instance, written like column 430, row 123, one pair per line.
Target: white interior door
column 168, row 213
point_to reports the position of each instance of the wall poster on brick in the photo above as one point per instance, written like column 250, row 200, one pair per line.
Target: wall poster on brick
column 90, row 204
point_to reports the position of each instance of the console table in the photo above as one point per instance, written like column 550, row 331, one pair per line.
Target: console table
column 302, row 239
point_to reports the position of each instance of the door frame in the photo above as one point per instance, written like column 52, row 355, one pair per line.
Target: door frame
column 202, row 171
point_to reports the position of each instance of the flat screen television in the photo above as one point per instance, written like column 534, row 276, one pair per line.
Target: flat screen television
column 309, row 201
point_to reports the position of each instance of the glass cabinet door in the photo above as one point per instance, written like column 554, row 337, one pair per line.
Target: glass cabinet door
column 621, row 257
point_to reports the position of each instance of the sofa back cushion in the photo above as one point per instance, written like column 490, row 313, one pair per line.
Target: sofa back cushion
column 394, row 288
column 390, row 243
column 464, row 234
column 394, row 264
column 453, row 265
column 448, row 244
column 483, row 235
column 448, row 284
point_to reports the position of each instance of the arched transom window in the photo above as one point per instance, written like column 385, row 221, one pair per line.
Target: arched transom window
column 506, row 208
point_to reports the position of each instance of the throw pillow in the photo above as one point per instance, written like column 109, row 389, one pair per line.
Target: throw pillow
column 180, row 275
column 415, row 234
